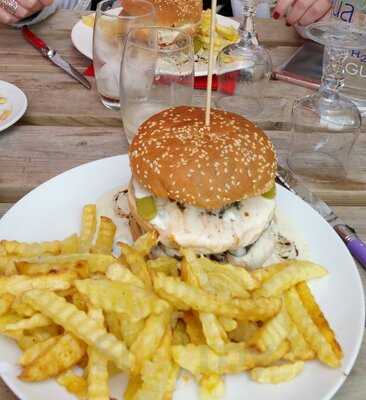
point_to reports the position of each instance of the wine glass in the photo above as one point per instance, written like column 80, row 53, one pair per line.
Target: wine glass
column 325, row 125
column 243, row 69
column 157, row 72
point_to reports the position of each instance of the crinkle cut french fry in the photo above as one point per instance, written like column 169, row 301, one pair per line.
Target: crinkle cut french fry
column 112, row 321
column 96, row 262
column 63, row 355
column 194, row 328
column 12, row 247
column 137, row 263
column 197, row 299
column 189, row 268
column 97, row 368
column 311, row 332
column 35, row 321
column 82, row 326
column 73, row 383
column 88, row 227
column 133, row 385
column 157, row 374
column 27, row 339
column 203, row 360
column 244, row 331
column 239, row 275
column 180, row 335
column 272, row 333
column 26, row 268
column 149, row 338
column 18, row 284
column 146, row 242
column 22, row 249
column 130, row 329
column 215, row 334
column 21, row 308
column 300, row 349
column 164, row 264
column 297, row 271
column 33, row 352
column 263, row 274
column 105, row 236
column 118, row 272
column 277, row 373
column 70, row 245
column 318, row 317
column 123, row 298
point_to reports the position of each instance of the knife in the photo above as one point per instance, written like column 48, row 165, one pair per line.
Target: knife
column 354, row 244
column 54, row 57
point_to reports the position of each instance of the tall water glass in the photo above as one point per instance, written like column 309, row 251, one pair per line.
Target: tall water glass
column 157, row 72
column 114, row 19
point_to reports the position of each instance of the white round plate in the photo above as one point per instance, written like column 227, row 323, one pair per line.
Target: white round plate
column 16, row 100
column 82, row 39
column 53, row 210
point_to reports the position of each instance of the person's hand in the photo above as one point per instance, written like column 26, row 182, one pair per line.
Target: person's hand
column 302, row 12
column 12, row 11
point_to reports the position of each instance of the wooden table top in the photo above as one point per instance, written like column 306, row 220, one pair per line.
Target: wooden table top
column 66, row 125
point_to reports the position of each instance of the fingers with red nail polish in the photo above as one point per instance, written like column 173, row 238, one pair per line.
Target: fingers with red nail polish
column 302, row 12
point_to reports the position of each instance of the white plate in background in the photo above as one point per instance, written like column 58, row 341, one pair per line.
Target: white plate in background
column 16, row 102
column 82, row 39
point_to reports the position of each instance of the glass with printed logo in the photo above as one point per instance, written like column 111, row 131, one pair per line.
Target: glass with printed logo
column 326, row 125
column 114, row 19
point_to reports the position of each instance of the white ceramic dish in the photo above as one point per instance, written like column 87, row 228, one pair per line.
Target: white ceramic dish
column 52, row 211
column 16, row 101
column 82, row 39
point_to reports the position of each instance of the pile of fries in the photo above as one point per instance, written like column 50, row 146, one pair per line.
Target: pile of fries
column 224, row 35
column 75, row 303
column 89, row 20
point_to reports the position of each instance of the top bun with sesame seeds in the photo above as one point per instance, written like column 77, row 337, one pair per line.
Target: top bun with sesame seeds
column 175, row 156
column 182, row 14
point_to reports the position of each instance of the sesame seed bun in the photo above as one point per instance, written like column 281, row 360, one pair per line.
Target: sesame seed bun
column 174, row 155
column 184, row 14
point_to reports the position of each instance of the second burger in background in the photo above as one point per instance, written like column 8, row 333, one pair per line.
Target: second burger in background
column 208, row 188
column 182, row 14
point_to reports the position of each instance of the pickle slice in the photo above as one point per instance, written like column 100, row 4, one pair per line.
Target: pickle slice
column 197, row 44
column 271, row 194
column 146, row 207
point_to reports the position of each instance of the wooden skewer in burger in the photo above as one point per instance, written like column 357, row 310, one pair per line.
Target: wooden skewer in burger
column 204, row 179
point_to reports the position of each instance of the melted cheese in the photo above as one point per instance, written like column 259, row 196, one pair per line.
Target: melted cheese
column 206, row 233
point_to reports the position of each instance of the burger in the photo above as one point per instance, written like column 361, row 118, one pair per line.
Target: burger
column 182, row 14
column 211, row 189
